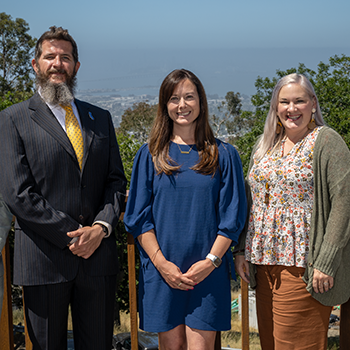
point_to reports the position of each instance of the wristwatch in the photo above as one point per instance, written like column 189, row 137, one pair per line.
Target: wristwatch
column 215, row 260
column 104, row 228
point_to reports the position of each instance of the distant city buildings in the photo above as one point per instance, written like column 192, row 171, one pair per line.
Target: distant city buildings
column 117, row 104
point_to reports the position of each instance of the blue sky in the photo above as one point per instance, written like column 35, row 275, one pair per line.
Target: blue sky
column 134, row 44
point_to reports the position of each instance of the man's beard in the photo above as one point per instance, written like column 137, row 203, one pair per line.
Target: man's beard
column 56, row 93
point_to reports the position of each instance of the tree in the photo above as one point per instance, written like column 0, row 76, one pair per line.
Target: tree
column 332, row 86
column 16, row 84
column 16, row 51
column 229, row 110
column 138, row 121
column 128, row 147
column 8, row 100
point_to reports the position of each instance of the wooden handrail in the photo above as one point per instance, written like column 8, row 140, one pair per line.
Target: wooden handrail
column 132, row 293
column 6, row 321
column 244, row 315
column 133, row 298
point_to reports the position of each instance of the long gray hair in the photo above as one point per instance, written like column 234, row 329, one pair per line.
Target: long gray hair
column 269, row 138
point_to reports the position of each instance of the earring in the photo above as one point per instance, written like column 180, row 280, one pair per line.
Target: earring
column 312, row 123
column 278, row 127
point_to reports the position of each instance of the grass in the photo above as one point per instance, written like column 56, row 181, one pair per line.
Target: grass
column 124, row 324
column 231, row 338
column 18, row 317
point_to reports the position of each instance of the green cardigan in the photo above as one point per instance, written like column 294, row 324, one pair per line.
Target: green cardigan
column 330, row 220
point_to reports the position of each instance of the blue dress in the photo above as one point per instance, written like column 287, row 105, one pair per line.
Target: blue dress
column 187, row 211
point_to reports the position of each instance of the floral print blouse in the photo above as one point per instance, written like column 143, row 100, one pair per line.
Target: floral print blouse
column 282, row 192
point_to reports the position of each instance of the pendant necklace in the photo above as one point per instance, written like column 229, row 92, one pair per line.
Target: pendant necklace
column 185, row 152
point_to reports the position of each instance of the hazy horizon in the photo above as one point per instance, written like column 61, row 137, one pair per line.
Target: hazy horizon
column 234, row 70
column 227, row 43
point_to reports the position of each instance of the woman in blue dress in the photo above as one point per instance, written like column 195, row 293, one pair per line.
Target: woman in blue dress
column 186, row 208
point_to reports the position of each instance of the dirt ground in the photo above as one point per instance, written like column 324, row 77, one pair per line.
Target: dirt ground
column 333, row 330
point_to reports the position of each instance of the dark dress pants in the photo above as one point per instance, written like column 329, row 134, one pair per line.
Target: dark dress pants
column 92, row 304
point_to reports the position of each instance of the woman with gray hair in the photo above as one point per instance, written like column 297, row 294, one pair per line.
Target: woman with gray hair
column 295, row 249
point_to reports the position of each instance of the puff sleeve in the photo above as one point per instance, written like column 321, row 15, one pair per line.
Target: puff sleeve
column 138, row 216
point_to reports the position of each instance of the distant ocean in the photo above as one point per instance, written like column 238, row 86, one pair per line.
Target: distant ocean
column 131, row 91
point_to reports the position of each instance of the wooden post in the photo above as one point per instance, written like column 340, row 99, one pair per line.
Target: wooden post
column 132, row 286
column 133, row 305
column 344, row 338
column 245, row 315
column 132, row 293
column 6, row 322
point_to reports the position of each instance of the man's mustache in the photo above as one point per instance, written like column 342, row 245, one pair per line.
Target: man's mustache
column 54, row 70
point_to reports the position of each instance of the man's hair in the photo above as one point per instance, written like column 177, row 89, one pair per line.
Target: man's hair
column 56, row 33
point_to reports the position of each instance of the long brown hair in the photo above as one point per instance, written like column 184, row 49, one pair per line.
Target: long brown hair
column 162, row 129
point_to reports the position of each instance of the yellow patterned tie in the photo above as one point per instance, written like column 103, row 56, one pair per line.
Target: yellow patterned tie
column 74, row 133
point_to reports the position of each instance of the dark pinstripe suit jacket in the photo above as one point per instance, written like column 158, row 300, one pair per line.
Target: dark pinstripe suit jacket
column 44, row 188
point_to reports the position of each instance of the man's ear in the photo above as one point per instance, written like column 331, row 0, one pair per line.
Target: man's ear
column 77, row 66
column 34, row 65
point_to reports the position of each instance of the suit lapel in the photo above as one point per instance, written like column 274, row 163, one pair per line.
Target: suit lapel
column 88, row 124
column 43, row 116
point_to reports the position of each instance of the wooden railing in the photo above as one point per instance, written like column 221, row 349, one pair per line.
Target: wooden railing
column 6, row 321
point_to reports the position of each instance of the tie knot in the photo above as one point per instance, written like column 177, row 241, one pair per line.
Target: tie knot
column 67, row 108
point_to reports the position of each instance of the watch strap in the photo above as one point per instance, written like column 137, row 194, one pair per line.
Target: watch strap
column 216, row 261
column 106, row 229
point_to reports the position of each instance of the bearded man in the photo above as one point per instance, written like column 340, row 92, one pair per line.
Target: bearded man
column 63, row 179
